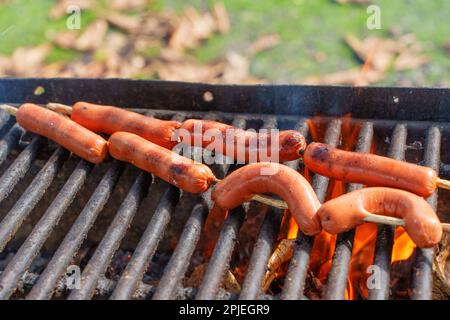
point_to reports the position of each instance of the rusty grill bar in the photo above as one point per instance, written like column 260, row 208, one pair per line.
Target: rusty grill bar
column 131, row 279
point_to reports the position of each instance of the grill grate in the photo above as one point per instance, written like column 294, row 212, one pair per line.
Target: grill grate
column 131, row 282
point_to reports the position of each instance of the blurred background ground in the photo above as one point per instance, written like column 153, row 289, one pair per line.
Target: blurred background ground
column 235, row 41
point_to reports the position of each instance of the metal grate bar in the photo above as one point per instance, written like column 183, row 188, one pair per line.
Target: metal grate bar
column 30, row 248
column 147, row 245
column 337, row 278
column 179, row 262
column 251, row 288
column 422, row 276
column 31, row 196
column 19, row 167
column 77, row 233
column 219, row 262
column 110, row 243
column 294, row 283
column 6, row 122
column 10, row 141
column 385, row 236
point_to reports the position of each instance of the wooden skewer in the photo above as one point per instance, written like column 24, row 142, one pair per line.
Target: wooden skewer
column 10, row 109
column 61, row 108
column 444, row 184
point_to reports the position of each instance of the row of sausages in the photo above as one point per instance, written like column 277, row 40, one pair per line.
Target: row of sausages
column 145, row 142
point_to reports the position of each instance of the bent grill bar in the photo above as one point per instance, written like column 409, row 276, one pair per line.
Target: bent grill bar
column 73, row 230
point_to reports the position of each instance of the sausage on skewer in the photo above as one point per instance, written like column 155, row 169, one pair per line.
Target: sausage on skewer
column 371, row 170
column 241, row 185
column 349, row 210
column 184, row 173
column 290, row 142
column 109, row 119
column 62, row 130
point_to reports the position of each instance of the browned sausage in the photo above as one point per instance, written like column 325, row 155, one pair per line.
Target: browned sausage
column 349, row 210
column 63, row 131
column 241, row 185
column 290, row 142
column 369, row 169
column 110, row 119
column 182, row 172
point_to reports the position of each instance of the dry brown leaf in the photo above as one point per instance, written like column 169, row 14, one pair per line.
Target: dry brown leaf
column 5, row 63
column 127, row 4
column 229, row 283
column 192, row 28
column 188, row 71
column 408, row 60
column 125, row 22
column 93, row 36
column 64, row 39
column 221, row 16
column 446, row 47
column 60, row 8
column 355, row 76
column 263, row 43
column 237, row 68
column 27, row 60
column 93, row 69
column 51, row 70
column 376, row 52
column 115, row 42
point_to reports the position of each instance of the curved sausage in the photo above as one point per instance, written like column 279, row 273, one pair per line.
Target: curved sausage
column 288, row 184
column 290, row 142
column 110, row 119
column 63, row 131
column 349, row 210
column 369, row 169
column 182, row 172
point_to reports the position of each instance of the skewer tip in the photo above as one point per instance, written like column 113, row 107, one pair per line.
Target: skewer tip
column 59, row 107
column 10, row 109
column 444, row 184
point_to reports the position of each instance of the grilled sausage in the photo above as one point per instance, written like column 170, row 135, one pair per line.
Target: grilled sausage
column 110, row 119
column 182, row 172
column 290, row 142
column 63, row 131
column 291, row 186
column 369, row 169
column 349, row 210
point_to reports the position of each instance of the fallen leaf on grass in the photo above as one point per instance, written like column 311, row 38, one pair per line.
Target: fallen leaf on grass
column 355, row 76
column 236, row 69
column 64, row 39
column 127, row 4
column 446, row 47
column 192, row 28
column 188, row 71
column 125, row 22
column 92, row 37
column 408, row 60
column 28, row 60
column 221, row 16
column 263, row 43
column 377, row 52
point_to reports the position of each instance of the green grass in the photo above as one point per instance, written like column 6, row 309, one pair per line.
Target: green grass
column 305, row 27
